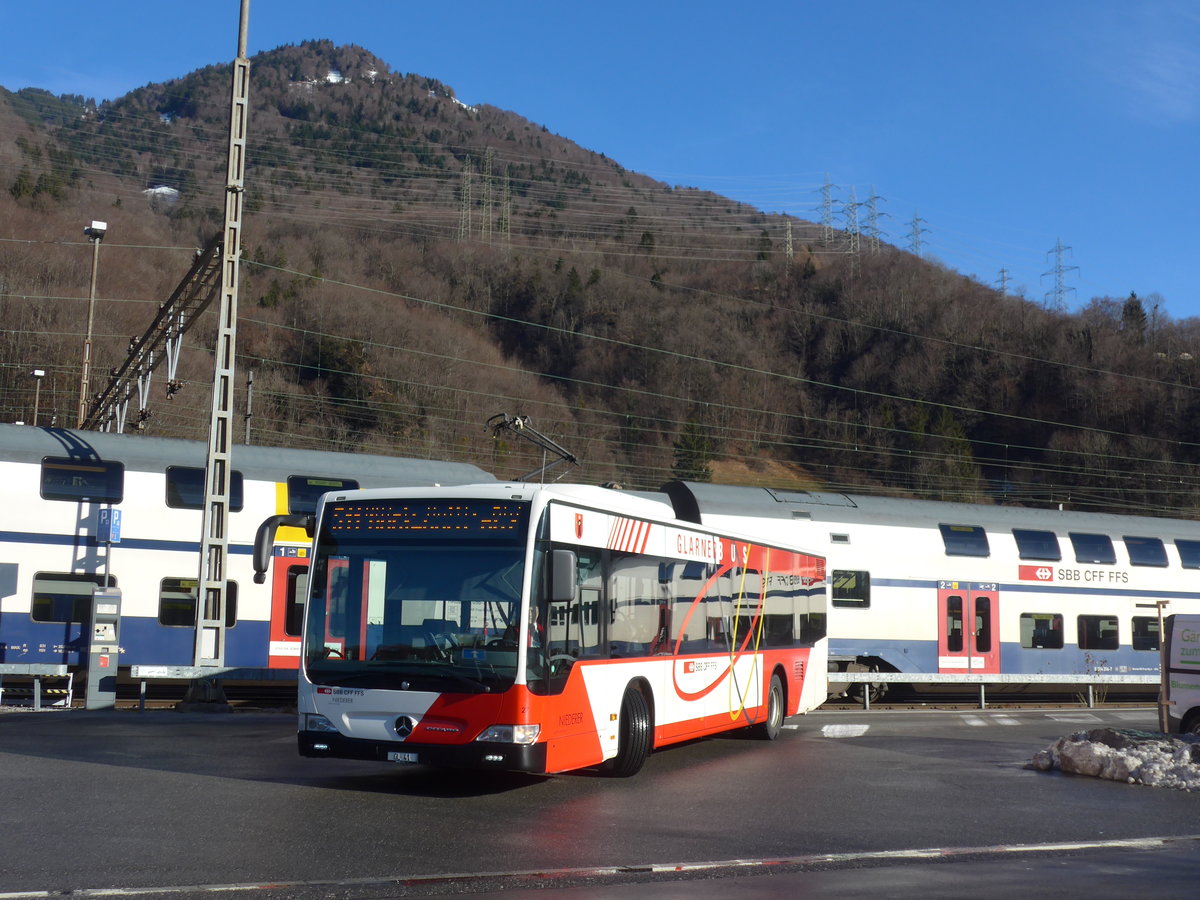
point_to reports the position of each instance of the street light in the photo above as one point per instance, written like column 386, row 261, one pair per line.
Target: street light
column 96, row 232
column 38, row 375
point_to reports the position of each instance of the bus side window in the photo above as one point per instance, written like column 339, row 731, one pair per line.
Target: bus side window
column 687, row 615
column 574, row 628
column 635, row 609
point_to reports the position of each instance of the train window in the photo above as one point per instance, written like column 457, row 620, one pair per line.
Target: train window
column 954, row 624
column 79, row 480
column 1145, row 551
column 305, row 490
column 964, row 540
column 1098, row 633
column 851, row 589
column 1042, row 631
column 297, row 593
column 983, row 625
column 1145, row 633
column 1037, row 544
column 185, row 488
column 1189, row 553
column 177, row 603
column 1092, row 548
column 65, row 596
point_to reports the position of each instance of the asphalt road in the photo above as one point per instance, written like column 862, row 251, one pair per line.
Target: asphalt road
column 918, row 804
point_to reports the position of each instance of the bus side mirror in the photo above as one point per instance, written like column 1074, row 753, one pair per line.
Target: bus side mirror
column 264, row 539
column 563, row 565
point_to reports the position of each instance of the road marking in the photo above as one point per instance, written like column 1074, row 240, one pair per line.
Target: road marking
column 976, row 721
column 844, row 731
column 1074, row 717
column 545, row 878
column 1134, row 716
column 1007, row 720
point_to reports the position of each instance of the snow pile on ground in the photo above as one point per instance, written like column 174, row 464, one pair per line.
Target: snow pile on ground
column 1135, row 757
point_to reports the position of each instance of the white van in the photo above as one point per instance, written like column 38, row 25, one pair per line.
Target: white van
column 1181, row 678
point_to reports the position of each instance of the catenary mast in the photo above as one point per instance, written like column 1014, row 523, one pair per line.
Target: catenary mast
column 213, row 585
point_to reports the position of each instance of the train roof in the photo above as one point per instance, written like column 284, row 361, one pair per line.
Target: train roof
column 693, row 500
column 137, row 452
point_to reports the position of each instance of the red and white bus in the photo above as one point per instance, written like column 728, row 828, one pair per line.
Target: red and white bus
column 545, row 628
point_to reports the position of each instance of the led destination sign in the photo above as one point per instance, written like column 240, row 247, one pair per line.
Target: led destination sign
column 428, row 518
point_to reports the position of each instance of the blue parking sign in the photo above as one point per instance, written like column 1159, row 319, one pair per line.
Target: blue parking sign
column 109, row 530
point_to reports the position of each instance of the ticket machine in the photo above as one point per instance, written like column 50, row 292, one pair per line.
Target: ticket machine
column 103, row 648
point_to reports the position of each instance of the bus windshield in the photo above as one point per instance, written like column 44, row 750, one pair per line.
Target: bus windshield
column 417, row 595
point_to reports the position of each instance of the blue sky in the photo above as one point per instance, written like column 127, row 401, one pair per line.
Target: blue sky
column 1005, row 126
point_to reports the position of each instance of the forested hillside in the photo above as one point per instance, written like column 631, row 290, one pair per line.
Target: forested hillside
column 413, row 266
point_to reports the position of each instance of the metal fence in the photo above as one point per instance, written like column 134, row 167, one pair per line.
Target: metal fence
column 1086, row 683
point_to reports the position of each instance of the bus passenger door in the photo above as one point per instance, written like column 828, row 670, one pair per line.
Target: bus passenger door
column 969, row 627
column 289, row 587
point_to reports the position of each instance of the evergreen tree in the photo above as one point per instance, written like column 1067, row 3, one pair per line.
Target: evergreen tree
column 694, row 452
column 1133, row 319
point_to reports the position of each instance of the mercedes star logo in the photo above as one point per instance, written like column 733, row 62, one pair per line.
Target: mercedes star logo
column 404, row 727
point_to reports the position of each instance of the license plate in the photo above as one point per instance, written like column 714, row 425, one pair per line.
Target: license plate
column 397, row 756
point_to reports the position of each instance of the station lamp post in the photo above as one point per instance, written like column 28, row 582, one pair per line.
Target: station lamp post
column 96, row 232
column 38, row 375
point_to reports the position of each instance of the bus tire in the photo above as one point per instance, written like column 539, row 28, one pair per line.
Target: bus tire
column 768, row 729
column 634, row 738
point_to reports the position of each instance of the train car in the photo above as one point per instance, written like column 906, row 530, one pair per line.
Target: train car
column 932, row 587
column 59, row 488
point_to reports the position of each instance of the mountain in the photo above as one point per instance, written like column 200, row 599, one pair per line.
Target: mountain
column 413, row 266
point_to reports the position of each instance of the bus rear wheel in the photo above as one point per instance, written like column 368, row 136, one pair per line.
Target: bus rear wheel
column 635, row 735
column 770, row 727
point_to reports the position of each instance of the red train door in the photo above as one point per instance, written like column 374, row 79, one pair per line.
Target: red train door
column 289, row 586
column 969, row 627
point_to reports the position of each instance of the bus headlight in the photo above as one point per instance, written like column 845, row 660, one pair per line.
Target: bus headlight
column 314, row 722
column 511, row 734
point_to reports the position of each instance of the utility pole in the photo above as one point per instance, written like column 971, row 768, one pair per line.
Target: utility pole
column 873, row 233
column 212, row 587
column 1057, row 298
column 464, row 208
column 96, row 232
column 506, row 208
column 38, row 375
column 914, row 235
column 1003, row 282
column 788, row 246
column 852, row 229
column 485, row 229
column 827, row 211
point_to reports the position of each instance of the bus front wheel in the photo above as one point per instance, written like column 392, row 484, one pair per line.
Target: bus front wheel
column 634, row 738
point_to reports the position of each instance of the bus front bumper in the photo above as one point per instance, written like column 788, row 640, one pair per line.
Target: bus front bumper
column 475, row 755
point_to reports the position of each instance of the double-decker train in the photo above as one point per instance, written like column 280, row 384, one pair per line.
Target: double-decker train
column 57, row 489
column 922, row 586
column 914, row 586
